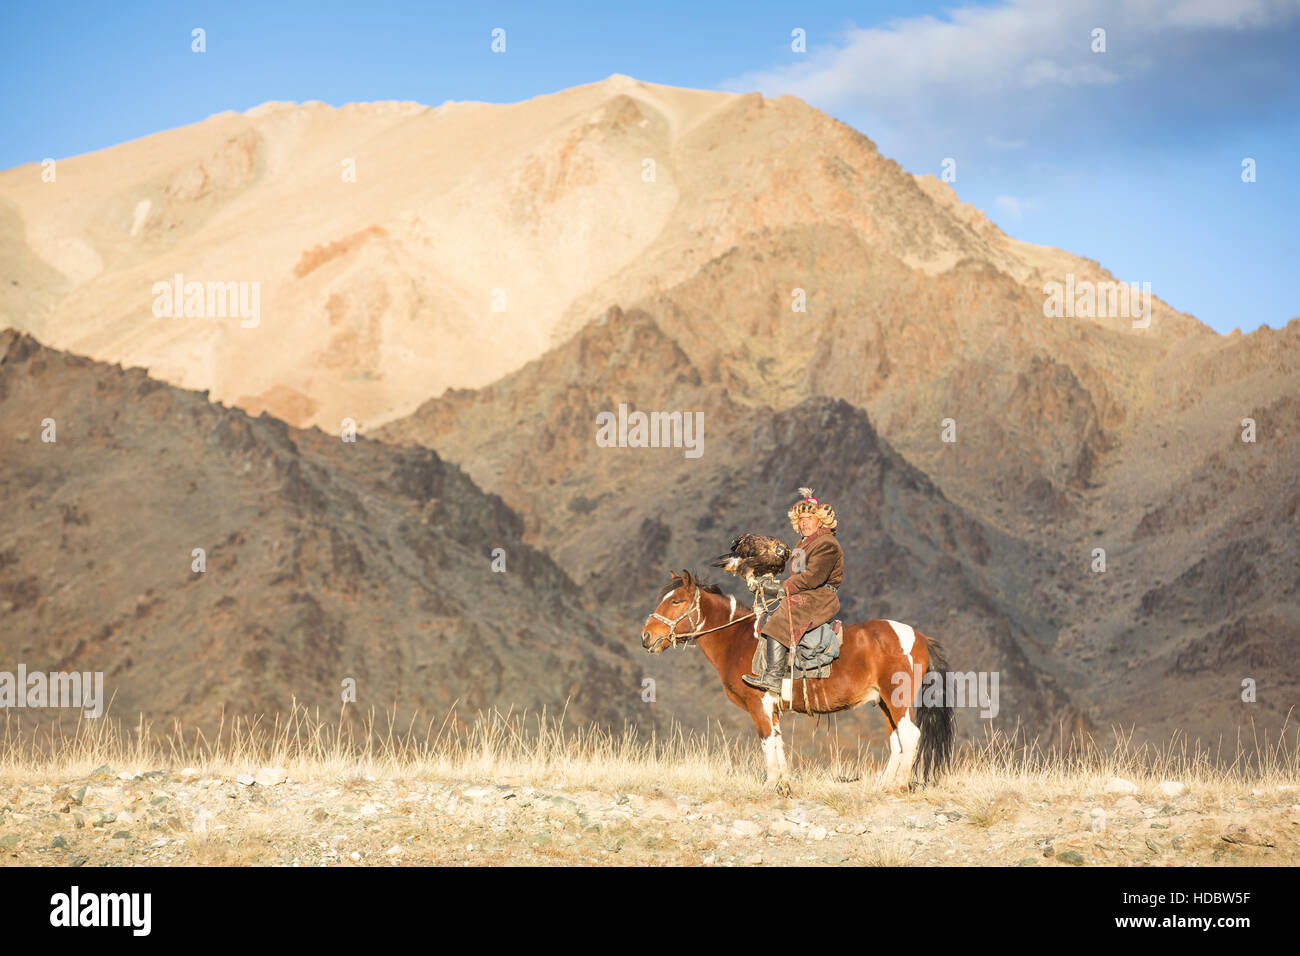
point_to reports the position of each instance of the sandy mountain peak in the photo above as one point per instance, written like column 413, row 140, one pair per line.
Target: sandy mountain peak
column 483, row 280
column 439, row 263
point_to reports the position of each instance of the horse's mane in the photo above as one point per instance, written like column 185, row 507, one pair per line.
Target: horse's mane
column 676, row 582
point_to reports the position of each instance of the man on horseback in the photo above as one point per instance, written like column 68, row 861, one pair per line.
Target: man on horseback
column 808, row 597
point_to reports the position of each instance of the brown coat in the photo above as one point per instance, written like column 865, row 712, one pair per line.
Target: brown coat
column 813, row 602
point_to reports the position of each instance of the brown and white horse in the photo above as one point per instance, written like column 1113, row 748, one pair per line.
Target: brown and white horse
column 880, row 662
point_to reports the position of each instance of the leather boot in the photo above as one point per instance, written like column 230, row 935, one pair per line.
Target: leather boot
column 778, row 656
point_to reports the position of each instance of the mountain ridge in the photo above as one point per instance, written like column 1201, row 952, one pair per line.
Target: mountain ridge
column 323, row 562
column 654, row 247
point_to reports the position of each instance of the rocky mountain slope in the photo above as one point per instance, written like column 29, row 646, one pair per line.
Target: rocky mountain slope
column 652, row 247
column 617, row 518
column 1112, row 601
column 324, row 561
column 380, row 234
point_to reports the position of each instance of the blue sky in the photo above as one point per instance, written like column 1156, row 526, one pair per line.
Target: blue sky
column 1131, row 156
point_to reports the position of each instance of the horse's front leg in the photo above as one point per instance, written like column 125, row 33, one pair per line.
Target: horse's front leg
column 768, row 722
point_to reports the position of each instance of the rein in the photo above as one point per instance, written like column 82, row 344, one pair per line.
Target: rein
column 695, row 611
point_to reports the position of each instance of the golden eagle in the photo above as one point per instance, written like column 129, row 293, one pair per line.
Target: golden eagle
column 753, row 557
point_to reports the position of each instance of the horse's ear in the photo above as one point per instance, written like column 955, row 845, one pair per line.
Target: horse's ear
column 686, row 578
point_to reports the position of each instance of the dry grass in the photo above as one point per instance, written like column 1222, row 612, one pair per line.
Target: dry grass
column 364, row 793
column 234, row 849
column 989, row 777
column 1000, row 771
column 891, row 855
column 985, row 813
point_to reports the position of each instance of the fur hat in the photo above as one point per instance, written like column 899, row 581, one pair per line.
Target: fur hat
column 808, row 505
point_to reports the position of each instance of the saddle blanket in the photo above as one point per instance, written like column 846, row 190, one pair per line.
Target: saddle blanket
column 813, row 655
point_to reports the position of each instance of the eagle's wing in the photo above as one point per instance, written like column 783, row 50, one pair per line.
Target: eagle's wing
column 754, row 554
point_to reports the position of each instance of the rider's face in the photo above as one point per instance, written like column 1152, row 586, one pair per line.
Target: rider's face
column 808, row 524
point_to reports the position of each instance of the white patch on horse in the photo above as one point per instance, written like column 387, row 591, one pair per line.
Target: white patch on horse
column 909, row 735
column 773, row 748
column 890, row 772
column 732, row 615
column 770, row 745
column 906, row 638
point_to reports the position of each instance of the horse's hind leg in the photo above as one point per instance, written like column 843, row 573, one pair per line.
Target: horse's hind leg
column 895, row 747
column 904, row 739
column 909, row 739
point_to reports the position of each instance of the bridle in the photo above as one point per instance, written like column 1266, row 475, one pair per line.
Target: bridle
column 673, row 638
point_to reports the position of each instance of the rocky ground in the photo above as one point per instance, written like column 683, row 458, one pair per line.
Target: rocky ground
column 266, row 818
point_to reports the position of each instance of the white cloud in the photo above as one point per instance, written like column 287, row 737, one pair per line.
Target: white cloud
column 1001, row 73
column 1241, row 14
column 1015, row 47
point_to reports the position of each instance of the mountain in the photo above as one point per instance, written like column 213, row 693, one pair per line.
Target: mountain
column 380, row 234
column 992, row 418
column 616, row 518
column 377, row 233
column 325, row 561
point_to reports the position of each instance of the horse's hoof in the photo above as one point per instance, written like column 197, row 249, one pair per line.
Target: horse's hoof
column 783, row 789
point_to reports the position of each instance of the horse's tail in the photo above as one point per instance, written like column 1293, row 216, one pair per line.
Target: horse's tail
column 935, row 720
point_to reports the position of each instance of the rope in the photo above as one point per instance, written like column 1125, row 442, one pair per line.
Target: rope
column 793, row 641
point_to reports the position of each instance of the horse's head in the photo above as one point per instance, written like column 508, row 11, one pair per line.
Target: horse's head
column 674, row 615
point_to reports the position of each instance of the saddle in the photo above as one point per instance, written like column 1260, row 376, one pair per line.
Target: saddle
column 813, row 655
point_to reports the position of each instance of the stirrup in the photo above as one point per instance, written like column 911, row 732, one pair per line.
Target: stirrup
column 755, row 680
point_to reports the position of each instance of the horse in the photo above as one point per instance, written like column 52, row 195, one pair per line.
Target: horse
column 881, row 662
